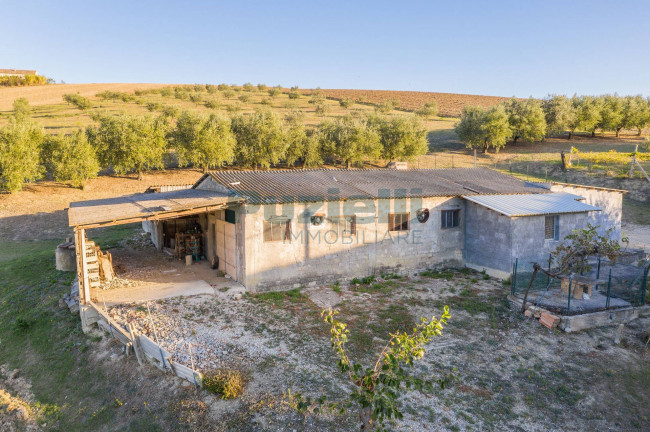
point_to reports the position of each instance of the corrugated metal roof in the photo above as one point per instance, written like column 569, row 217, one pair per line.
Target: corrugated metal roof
column 278, row 186
column 142, row 205
column 532, row 204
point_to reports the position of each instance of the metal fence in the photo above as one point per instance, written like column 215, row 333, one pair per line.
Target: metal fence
column 609, row 285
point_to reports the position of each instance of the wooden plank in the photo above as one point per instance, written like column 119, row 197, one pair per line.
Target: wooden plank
column 187, row 373
column 82, row 246
column 79, row 252
column 112, row 327
column 137, row 349
column 159, row 356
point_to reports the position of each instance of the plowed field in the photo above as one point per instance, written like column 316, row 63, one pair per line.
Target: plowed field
column 449, row 104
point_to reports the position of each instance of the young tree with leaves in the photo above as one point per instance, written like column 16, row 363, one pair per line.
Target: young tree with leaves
column 72, row 159
column 479, row 128
column 20, row 148
column 204, row 141
column 377, row 388
column 403, row 138
column 350, row 140
column 526, row 119
column 130, row 143
column 260, row 139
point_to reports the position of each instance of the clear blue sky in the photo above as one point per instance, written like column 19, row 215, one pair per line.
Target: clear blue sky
column 498, row 47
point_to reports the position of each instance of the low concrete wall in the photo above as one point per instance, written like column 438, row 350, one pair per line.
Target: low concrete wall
column 143, row 347
column 598, row 319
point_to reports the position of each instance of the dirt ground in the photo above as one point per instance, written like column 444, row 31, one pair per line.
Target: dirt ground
column 510, row 373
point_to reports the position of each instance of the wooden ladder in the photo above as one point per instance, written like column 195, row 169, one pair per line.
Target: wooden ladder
column 92, row 264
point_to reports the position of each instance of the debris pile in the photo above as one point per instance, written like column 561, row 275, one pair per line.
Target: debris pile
column 546, row 318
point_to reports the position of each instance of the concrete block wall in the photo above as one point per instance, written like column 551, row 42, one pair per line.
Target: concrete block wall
column 317, row 253
column 611, row 203
column 488, row 239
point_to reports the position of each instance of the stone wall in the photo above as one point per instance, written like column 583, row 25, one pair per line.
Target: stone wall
column 488, row 242
column 319, row 254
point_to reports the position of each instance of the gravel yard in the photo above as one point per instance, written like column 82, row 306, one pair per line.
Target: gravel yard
column 511, row 374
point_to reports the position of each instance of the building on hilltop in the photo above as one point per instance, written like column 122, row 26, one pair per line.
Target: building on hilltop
column 16, row 72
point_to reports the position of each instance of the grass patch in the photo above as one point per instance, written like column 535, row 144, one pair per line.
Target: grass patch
column 279, row 297
column 438, row 274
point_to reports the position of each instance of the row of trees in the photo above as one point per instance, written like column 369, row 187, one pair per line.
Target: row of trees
column 532, row 119
column 24, row 80
column 138, row 143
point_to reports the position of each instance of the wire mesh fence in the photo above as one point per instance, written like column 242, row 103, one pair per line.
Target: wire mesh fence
column 608, row 285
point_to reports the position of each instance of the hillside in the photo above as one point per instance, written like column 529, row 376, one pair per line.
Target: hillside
column 449, row 104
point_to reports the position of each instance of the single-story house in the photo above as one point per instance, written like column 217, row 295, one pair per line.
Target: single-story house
column 284, row 228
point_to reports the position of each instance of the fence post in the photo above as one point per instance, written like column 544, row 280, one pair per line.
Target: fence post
column 609, row 289
column 598, row 270
column 513, row 281
column 550, row 260
column 644, row 285
column 568, row 307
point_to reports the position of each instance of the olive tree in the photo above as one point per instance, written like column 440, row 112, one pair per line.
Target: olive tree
column 377, row 388
column 72, row 159
column 480, row 128
column 587, row 118
column 20, row 148
column 350, row 140
column 22, row 110
column 559, row 113
column 612, row 117
column 526, row 119
column 130, row 143
column 403, row 138
column 203, row 141
column 81, row 102
column 303, row 146
column 260, row 139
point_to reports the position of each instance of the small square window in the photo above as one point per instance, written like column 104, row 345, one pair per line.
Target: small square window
column 552, row 227
column 398, row 221
column 275, row 231
column 450, row 218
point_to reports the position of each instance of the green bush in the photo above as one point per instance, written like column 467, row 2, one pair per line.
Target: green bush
column 227, row 383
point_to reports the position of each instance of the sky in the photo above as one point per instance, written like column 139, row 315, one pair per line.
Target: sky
column 506, row 48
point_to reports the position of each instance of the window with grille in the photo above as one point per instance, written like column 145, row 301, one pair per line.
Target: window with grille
column 450, row 218
column 552, row 227
column 345, row 225
column 275, row 231
column 398, row 221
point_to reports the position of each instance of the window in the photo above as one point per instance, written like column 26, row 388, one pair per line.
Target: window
column 230, row 216
column 398, row 221
column 450, row 218
column 345, row 225
column 275, row 231
column 552, row 227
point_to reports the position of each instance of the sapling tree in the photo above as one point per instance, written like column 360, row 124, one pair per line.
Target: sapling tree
column 72, row 159
column 20, row 146
column 572, row 256
column 377, row 388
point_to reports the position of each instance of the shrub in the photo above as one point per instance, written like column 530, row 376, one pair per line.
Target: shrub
column 212, row 103
column 170, row 111
column 227, row 383
column 20, row 146
column 212, row 89
column 234, row 108
column 81, row 102
column 72, row 158
column 223, row 87
column 153, row 106
column 429, row 109
column 322, row 109
column 293, row 94
column 228, row 93
column 275, row 91
column 266, row 101
column 248, row 87
column 261, row 87
column 244, row 98
column 346, row 103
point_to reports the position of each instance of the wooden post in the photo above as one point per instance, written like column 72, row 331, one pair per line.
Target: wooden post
column 82, row 270
column 636, row 149
column 474, row 158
